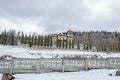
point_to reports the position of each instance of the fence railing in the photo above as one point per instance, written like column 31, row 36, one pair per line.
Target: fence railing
column 29, row 65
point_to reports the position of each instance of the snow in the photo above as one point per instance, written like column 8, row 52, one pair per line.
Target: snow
column 25, row 52
column 15, row 51
column 98, row 74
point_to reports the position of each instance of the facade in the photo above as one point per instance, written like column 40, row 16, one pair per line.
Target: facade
column 63, row 36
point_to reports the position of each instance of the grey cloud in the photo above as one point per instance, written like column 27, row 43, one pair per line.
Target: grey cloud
column 59, row 15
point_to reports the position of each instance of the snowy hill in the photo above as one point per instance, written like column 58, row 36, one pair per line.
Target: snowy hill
column 25, row 52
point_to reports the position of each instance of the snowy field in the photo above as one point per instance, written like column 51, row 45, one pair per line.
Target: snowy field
column 25, row 52
column 102, row 74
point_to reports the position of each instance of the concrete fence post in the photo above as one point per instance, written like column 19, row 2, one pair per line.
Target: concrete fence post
column 108, row 64
column 86, row 66
column 38, row 67
column 12, row 66
column 62, row 64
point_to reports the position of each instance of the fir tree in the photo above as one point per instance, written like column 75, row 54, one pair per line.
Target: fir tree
column 25, row 39
column 29, row 40
column 66, row 44
column 69, row 44
column 72, row 44
column 78, row 44
column 63, row 43
column 51, row 41
column 38, row 43
column 22, row 38
column 35, row 40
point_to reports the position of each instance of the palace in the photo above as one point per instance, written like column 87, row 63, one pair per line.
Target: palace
column 67, row 36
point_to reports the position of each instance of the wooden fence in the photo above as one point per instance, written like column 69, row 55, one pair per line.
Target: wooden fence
column 29, row 65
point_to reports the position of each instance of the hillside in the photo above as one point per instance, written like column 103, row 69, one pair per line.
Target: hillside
column 25, row 52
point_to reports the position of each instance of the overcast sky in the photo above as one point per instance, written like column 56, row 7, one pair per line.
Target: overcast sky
column 51, row 16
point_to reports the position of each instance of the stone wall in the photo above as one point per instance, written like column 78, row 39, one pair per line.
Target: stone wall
column 29, row 65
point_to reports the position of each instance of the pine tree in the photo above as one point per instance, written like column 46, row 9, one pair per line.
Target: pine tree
column 57, row 43
column 38, row 43
column 22, row 38
column 41, row 41
column 2, row 38
column 87, row 48
column 48, row 41
column 90, row 46
column 84, row 46
column 44, row 41
column 72, row 44
column 103, row 47
column 78, row 44
column 63, row 43
column 69, row 44
column 9, row 38
column 25, row 39
column 32, row 40
column 60, row 43
column 119, row 46
column 111, row 47
column 5, row 38
column 51, row 41
column 29, row 40
column 66, row 44
column 35, row 40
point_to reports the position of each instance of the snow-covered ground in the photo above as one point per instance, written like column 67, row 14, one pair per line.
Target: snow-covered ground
column 82, row 75
column 25, row 52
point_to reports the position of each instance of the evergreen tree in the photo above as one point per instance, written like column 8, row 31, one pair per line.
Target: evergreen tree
column 103, row 47
column 2, row 38
column 87, row 48
column 66, row 44
column 90, row 46
column 35, row 40
column 9, row 38
column 119, row 46
column 69, row 44
column 22, row 38
column 78, row 44
column 72, row 44
column 111, row 47
column 5, row 38
column 48, row 41
column 51, row 41
column 63, row 43
column 29, row 40
column 13, row 37
column 84, row 46
column 57, row 42
column 44, row 41
column 25, row 39
column 32, row 40
column 38, row 43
